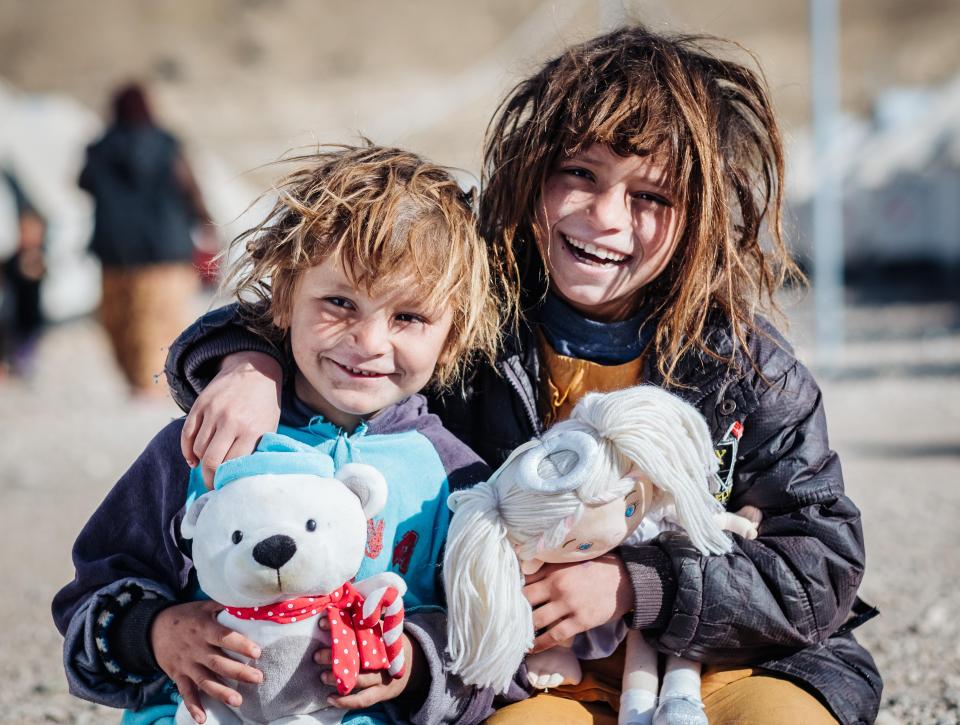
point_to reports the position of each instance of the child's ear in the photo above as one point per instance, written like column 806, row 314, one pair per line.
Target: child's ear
column 446, row 357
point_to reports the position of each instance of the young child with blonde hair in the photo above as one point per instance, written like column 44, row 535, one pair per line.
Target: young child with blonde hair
column 369, row 273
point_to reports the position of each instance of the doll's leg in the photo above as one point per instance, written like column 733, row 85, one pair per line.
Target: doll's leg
column 553, row 667
column 680, row 702
column 639, row 697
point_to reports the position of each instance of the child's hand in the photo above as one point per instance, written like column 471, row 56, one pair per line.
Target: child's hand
column 374, row 687
column 187, row 641
column 568, row 599
column 238, row 406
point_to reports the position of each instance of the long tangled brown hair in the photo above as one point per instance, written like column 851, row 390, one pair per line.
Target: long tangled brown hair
column 392, row 220
column 711, row 121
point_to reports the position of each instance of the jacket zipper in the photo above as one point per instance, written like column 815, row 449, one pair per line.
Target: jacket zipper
column 516, row 383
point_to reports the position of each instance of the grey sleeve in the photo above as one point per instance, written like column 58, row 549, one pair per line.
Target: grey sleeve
column 194, row 357
column 448, row 700
column 653, row 584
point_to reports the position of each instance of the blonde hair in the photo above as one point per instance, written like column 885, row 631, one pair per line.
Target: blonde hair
column 498, row 522
column 390, row 219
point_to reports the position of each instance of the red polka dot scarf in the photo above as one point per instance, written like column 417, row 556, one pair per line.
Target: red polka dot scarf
column 360, row 642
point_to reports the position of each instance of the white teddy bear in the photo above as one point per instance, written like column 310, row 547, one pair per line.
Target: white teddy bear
column 277, row 543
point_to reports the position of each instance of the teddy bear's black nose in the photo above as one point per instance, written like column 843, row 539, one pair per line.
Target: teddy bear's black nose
column 275, row 551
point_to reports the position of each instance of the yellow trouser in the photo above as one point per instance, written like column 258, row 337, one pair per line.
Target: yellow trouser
column 143, row 309
column 730, row 695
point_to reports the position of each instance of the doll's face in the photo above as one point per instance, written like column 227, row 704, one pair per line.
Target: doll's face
column 600, row 529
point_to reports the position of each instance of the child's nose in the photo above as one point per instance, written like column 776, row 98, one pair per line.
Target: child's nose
column 610, row 208
column 371, row 335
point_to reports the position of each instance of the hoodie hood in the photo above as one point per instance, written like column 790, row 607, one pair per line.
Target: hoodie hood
column 408, row 414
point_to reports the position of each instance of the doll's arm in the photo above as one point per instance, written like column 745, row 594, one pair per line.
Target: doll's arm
column 744, row 522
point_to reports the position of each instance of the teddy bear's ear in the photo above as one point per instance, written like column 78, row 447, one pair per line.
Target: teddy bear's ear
column 368, row 484
column 189, row 524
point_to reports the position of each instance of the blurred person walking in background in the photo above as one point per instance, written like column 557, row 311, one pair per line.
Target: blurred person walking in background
column 147, row 201
column 21, row 319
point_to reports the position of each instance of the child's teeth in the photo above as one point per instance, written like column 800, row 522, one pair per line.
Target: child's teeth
column 596, row 251
column 356, row 371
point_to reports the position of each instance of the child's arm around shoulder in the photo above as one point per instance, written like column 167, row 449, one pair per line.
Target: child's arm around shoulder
column 798, row 578
column 228, row 379
column 128, row 569
column 195, row 357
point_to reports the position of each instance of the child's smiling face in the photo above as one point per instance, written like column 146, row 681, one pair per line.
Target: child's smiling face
column 356, row 353
column 612, row 226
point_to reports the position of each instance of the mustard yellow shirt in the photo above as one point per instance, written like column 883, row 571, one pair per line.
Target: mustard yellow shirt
column 567, row 379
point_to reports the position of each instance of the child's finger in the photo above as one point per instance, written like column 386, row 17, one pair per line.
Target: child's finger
column 227, row 639
column 537, row 592
column 207, row 682
column 191, row 698
column 216, row 452
column 323, row 656
column 233, row 670
column 361, row 698
column 242, row 446
column 188, row 436
column 364, row 680
column 205, row 432
column 547, row 614
column 557, row 634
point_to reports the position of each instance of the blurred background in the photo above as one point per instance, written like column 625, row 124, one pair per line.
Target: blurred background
column 873, row 214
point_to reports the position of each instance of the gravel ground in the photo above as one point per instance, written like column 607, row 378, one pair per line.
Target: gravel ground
column 893, row 405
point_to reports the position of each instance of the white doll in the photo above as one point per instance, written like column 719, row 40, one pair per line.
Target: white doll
column 639, row 455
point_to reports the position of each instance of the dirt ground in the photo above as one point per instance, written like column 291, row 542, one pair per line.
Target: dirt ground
column 893, row 405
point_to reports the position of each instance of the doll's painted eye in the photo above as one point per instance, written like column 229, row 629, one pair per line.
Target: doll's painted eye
column 584, row 546
column 311, row 525
column 631, row 510
column 237, row 536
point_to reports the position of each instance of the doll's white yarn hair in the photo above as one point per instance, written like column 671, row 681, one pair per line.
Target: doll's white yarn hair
column 490, row 623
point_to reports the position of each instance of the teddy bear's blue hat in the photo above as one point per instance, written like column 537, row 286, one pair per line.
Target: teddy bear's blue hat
column 276, row 454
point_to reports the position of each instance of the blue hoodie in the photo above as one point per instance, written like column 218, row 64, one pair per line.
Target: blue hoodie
column 131, row 562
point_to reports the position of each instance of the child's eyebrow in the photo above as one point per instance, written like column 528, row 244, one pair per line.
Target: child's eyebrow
column 567, row 542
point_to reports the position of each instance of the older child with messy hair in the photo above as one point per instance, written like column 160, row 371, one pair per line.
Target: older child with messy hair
column 631, row 204
column 369, row 272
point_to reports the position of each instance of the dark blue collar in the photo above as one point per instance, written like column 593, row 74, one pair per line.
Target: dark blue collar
column 607, row 343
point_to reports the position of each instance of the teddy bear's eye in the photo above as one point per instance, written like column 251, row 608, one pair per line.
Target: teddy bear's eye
column 311, row 525
column 237, row 536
